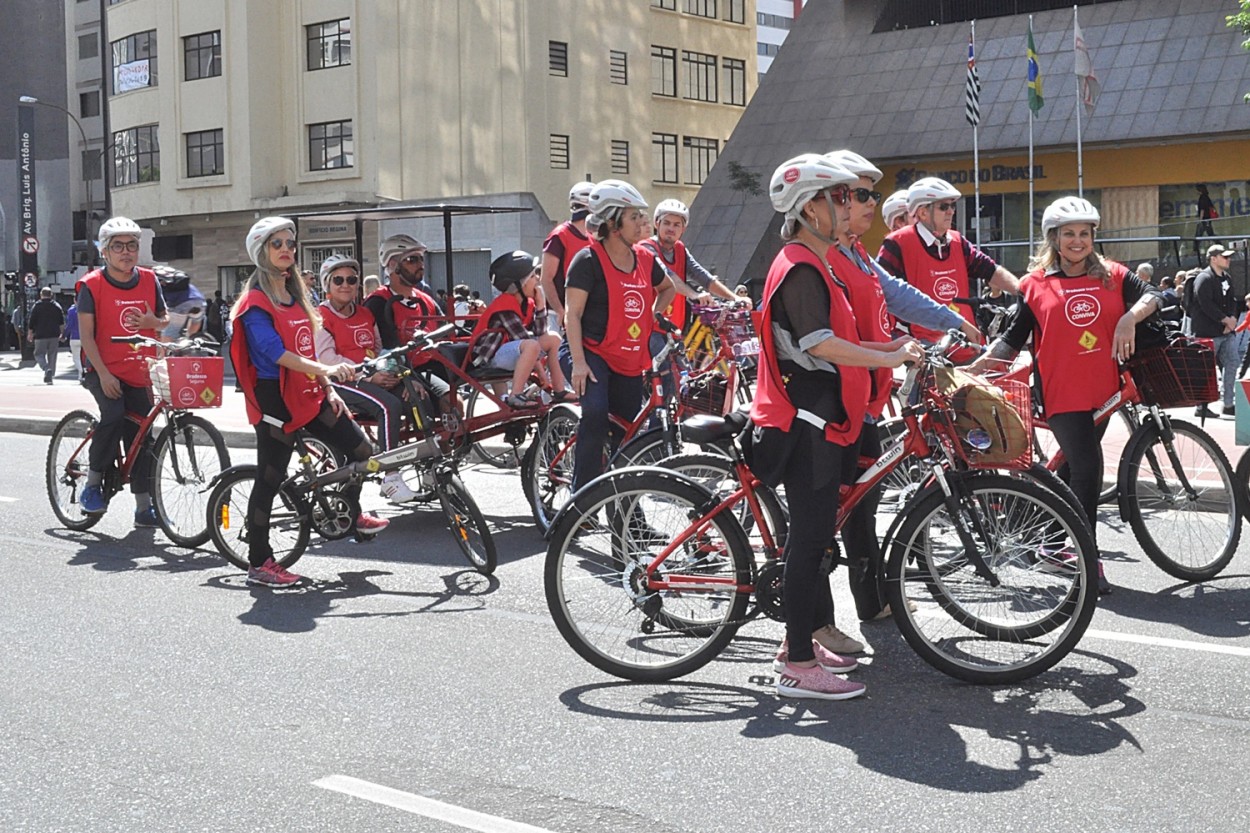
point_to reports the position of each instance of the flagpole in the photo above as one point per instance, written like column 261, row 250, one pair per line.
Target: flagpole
column 1030, row 161
column 976, row 158
column 1080, row 104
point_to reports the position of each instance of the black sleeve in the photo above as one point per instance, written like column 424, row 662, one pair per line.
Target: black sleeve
column 1021, row 327
column 85, row 301
column 804, row 298
column 1133, row 288
column 583, row 272
column 657, row 272
column 380, row 306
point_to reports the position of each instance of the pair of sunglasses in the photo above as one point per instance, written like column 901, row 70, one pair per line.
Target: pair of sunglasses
column 350, row 280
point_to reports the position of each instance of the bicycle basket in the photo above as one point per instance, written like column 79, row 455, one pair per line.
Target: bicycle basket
column 734, row 328
column 188, row 382
column 705, row 394
column 1179, row 375
column 993, row 423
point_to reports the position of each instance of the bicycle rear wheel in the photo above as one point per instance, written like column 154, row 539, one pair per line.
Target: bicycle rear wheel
column 547, row 468
column 289, row 528
column 1027, row 613
column 66, row 469
column 468, row 526
column 598, row 589
column 500, row 450
column 190, row 453
column 1185, row 513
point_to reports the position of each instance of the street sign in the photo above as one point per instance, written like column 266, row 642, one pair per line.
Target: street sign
column 30, row 244
column 30, row 279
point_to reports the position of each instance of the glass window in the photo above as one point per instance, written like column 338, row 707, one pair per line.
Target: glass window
column 88, row 46
column 735, row 80
column 664, row 71
column 620, row 156
column 671, row 5
column 559, row 151
column 618, row 67
column 134, row 62
column 205, row 156
column 201, row 56
column 702, row 8
column 700, row 71
column 701, row 155
column 664, row 150
column 89, row 104
column 558, row 58
column 330, row 146
column 137, row 155
column 736, row 11
column 91, row 168
column 329, row 44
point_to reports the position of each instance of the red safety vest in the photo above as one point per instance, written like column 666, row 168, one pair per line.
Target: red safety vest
column 355, row 337
column 504, row 302
column 631, row 298
column 676, row 311
column 574, row 241
column 771, row 406
column 412, row 313
column 873, row 321
column 1076, row 320
column 125, row 361
column 941, row 280
column 302, row 393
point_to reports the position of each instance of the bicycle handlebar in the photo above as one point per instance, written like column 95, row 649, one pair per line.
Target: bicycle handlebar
column 420, row 341
column 181, row 345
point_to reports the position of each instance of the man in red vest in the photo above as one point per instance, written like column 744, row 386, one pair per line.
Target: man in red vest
column 566, row 239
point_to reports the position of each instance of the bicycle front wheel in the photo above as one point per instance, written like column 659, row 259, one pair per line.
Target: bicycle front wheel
column 66, row 469
column 1181, row 498
column 190, row 453
column 605, row 604
column 1000, row 589
column 289, row 528
column 468, row 526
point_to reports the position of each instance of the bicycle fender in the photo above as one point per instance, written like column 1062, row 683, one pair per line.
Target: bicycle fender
column 240, row 467
column 623, row 474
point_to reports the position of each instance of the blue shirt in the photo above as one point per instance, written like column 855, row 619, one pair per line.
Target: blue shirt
column 909, row 304
column 71, row 323
column 264, row 345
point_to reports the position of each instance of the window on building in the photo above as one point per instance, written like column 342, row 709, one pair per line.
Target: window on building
column 230, row 279
column 671, row 5
column 768, row 49
column 201, row 56
column 559, row 151
column 205, row 153
column 173, row 247
column 137, row 155
column 700, row 71
column 702, row 8
column 313, row 256
column 701, row 155
column 774, row 21
column 134, row 62
column 558, row 58
column 736, row 11
column 618, row 67
column 664, row 151
column 89, row 104
column 664, row 71
column 734, row 74
column 914, row 15
column 329, row 44
column 330, row 146
column 620, row 156
column 88, row 46
column 91, row 167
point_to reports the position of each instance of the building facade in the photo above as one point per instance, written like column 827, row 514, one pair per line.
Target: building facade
column 773, row 20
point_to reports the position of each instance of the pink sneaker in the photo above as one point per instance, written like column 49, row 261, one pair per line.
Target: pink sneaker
column 371, row 524
column 1061, row 562
column 271, row 574
column 827, row 659
column 816, row 683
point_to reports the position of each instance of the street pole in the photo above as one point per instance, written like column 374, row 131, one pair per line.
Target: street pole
column 86, row 180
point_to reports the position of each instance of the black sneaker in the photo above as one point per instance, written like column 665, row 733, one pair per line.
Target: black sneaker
column 1205, row 413
column 1230, row 410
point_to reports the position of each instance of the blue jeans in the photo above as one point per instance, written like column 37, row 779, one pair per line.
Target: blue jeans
column 612, row 393
column 1228, row 359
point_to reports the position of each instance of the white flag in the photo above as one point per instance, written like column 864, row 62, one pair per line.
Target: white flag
column 1084, row 68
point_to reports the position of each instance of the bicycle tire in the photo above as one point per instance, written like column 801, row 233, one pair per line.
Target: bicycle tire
column 597, row 595
column 190, row 453
column 66, row 469
column 496, row 451
column 467, row 524
column 289, row 525
column 1169, row 525
column 959, row 622
column 648, row 448
column 547, row 467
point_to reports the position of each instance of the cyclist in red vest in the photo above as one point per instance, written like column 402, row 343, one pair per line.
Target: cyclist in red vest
column 1082, row 311
column 894, row 211
column 612, row 293
column 119, row 299
column 936, row 259
column 811, row 398
column 670, row 219
column 284, row 386
column 566, row 240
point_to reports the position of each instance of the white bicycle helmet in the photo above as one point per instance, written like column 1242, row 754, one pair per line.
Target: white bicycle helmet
column 115, row 226
column 796, row 180
column 1068, row 210
column 333, row 262
column 893, row 207
column 612, row 194
column 671, row 207
column 579, row 195
column 929, row 189
column 397, row 244
column 262, row 230
column 856, row 164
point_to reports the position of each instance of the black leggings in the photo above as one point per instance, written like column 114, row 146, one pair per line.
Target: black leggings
column 859, row 537
column 273, row 454
column 1081, row 442
column 119, row 422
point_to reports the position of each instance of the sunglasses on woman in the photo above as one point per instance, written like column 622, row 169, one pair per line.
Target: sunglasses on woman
column 350, row 280
column 276, row 244
column 863, row 195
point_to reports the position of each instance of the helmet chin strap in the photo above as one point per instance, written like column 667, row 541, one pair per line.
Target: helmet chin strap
column 815, row 231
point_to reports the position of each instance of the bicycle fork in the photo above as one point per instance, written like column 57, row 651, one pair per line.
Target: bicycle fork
column 968, row 537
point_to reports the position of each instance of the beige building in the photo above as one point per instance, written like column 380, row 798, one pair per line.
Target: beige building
column 225, row 110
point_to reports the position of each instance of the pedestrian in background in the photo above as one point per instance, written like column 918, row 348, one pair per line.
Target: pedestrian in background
column 1215, row 313
column 1146, row 272
column 44, row 328
column 72, row 336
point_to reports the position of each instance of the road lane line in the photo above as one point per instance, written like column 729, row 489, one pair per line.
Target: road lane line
column 428, row 807
column 1165, row 642
column 4, row 499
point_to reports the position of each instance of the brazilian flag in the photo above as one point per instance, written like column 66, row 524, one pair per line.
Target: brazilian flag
column 1035, row 76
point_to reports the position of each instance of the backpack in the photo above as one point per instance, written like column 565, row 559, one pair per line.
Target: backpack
column 977, row 404
column 1187, row 298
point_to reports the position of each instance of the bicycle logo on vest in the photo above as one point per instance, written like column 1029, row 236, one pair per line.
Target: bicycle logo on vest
column 304, row 342
column 1081, row 310
column 945, row 289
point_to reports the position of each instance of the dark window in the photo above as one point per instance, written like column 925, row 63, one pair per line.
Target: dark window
column 329, row 44
column 88, row 46
column 618, row 67
column 769, row 49
column 664, row 150
column 664, row 71
column 91, row 164
column 735, row 80
column 702, row 8
column 774, row 21
column 205, row 153
column 330, row 146
column 671, row 5
column 736, row 11
column 137, row 155
column 134, row 62
column 559, row 151
column 620, row 156
column 89, row 104
column 558, row 58
column 911, row 14
column 700, row 157
column 172, row 247
column 201, row 56
column 700, row 69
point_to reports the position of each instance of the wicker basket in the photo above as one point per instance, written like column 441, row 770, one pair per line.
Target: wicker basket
column 704, row 394
column 734, row 328
column 1180, row 375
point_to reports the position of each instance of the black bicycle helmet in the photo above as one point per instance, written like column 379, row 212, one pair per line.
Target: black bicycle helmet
column 511, row 268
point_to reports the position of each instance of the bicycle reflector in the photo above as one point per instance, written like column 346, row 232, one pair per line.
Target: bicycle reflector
column 225, row 516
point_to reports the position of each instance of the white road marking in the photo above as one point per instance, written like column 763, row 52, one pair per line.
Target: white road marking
column 421, row 806
column 1165, row 642
column 4, row 499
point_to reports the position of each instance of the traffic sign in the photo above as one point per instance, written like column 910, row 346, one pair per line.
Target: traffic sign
column 30, row 244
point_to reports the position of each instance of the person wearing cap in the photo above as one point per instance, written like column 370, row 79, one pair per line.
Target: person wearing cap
column 611, row 296
column 565, row 240
column 349, row 334
column 285, row 389
column 512, row 333
column 119, row 299
column 931, row 256
column 894, row 211
column 1082, row 311
column 1214, row 315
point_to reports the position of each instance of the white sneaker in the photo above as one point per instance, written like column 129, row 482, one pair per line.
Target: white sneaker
column 395, row 489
